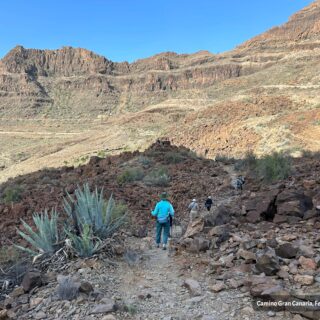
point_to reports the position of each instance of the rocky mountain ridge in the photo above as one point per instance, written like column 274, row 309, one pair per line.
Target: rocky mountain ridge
column 261, row 96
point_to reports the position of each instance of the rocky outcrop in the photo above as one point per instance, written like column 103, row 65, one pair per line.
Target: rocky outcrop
column 82, row 82
column 303, row 25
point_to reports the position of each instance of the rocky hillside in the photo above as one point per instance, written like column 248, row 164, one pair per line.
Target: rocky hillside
column 261, row 96
column 261, row 242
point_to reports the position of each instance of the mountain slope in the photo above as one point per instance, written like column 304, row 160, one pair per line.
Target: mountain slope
column 69, row 103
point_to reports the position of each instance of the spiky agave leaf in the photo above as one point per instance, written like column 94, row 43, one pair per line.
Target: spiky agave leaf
column 92, row 209
column 86, row 244
column 46, row 235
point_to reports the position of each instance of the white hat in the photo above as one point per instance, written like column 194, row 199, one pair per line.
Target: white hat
column 209, row 197
column 194, row 200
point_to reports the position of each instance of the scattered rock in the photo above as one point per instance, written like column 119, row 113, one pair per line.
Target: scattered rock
column 305, row 280
column 217, row 287
column 35, row 301
column 16, row 292
column 86, row 287
column 109, row 317
column 193, row 286
column 267, row 262
column 4, row 315
column 194, row 228
column 246, row 255
column 286, row 250
column 31, row 280
column 247, row 245
column 40, row 315
column 306, row 251
column 198, row 244
column 105, row 306
column 307, row 263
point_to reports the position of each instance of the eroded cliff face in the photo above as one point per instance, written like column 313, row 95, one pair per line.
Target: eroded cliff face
column 78, row 81
column 45, row 79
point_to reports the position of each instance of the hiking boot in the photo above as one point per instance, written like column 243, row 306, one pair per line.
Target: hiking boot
column 164, row 247
column 158, row 245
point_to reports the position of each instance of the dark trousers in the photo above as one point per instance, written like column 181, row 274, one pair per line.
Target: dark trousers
column 208, row 207
column 166, row 230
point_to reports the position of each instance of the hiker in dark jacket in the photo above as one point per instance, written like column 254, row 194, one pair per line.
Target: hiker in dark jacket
column 163, row 211
column 208, row 203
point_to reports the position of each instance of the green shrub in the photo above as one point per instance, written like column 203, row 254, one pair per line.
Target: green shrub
column 46, row 237
column 224, row 158
column 145, row 161
column 248, row 162
column 276, row 166
column 102, row 153
column 130, row 175
column 12, row 194
column 173, row 157
column 158, row 177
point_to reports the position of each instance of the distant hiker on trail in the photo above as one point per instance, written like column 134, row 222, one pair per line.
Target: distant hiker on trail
column 194, row 209
column 240, row 182
column 163, row 211
column 208, row 203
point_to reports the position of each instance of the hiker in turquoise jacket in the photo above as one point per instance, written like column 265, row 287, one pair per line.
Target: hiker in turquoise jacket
column 162, row 212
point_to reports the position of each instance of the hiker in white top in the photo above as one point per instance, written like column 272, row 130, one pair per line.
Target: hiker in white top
column 194, row 209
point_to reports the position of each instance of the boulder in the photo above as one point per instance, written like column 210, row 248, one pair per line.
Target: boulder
column 261, row 207
column 4, row 315
column 310, row 214
column 293, row 203
column 219, row 286
column 286, row 250
column 86, row 287
column 16, row 292
column 278, row 219
column 254, row 217
column 275, row 291
column 247, row 245
column 267, row 262
column 193, row 286
column 306, row 251
column 219, row 217
column 217, row 230
column 198, row 244
column 227, row 260
column 194, row 228
column 109, row 317
column 305, row 280
column 307, row 263
column 246, row 255
column 31, row 280
column 40, row 315
column 105, row 306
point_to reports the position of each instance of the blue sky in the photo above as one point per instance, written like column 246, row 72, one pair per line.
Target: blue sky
column 132, row 29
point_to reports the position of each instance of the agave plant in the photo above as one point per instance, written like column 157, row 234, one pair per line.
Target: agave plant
column 86, row 244
column 45, row 239
column 90, row 208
